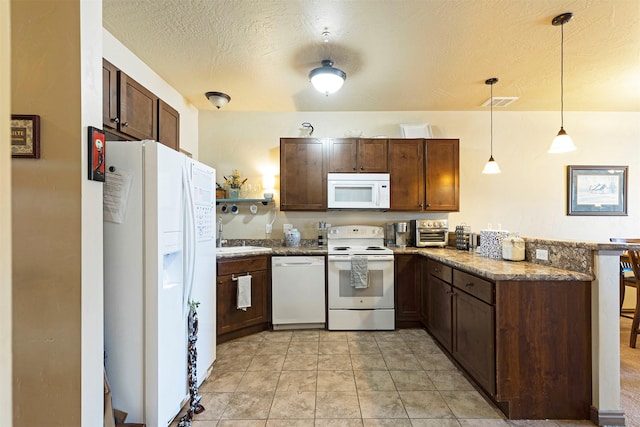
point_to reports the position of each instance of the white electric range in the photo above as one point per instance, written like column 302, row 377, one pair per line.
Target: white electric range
column 366, row 304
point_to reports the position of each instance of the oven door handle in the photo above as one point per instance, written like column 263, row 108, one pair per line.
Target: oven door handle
column 370, row 258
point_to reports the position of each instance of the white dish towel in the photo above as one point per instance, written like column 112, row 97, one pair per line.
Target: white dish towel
column 359, row 272
column 244, row 292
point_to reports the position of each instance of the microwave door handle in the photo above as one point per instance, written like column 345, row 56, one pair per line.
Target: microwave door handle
column 377, row 194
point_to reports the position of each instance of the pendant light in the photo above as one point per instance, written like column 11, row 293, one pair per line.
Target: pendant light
column 492, row 166
column 327, row 79
column 218, row 99
column 562, row 143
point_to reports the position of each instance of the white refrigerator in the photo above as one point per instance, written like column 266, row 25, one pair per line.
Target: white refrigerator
column 159, row 254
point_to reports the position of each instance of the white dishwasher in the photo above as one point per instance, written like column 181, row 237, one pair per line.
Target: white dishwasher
column 297, row 292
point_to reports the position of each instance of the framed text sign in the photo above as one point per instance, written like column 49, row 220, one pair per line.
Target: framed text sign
column 597, row 190
column 25, row 136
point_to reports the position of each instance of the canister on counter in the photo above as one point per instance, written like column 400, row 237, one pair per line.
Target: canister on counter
column 513, row 248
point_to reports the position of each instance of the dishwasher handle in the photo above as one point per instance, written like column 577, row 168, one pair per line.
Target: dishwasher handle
column 285, row 262
column 291, row 264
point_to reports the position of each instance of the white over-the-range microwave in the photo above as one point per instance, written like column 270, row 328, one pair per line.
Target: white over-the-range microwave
column 358, row 191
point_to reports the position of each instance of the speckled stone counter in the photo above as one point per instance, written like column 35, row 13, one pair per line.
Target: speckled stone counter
column 273, row 247
column 496, row 269
column 472, row 263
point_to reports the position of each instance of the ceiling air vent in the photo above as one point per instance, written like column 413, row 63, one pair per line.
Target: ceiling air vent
column 500, row 101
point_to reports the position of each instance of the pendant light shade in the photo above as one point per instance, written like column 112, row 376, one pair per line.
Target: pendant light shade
column 327, row 79
column 562, row 143
column 492, row 166
column 218, row 99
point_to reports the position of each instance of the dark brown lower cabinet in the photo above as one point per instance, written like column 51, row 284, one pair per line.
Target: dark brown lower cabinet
column 233, row 322
column 526, row 343
column 407, row 295
column 473, row 338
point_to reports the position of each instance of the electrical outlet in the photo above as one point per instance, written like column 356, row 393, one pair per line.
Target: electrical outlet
column 287, row 227
column 268, row 228
column 542, row 254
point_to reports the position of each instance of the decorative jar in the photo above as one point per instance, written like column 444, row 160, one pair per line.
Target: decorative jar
column 292, row 238
column 234, row 193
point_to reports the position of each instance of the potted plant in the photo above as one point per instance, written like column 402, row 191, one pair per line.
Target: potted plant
column 234, row 183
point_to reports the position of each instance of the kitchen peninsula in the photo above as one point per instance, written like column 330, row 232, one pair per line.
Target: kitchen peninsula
column 505, row 324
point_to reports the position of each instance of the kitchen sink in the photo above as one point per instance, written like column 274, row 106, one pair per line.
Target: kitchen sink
column 242, row 249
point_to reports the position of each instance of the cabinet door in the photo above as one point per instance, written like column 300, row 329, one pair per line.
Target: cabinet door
column 424, row 290
column 110, row 118
column 343, row 154
column 406, row 170
column 138, row 109
column 442, row 175
column 229, row 317
column 168, row 125
column 303, row 174
column 439, row 311
column 473, row 338
column 407, row 280
column 372, row 155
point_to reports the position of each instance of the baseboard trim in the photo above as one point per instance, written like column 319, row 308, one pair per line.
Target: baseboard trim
column 607, row 418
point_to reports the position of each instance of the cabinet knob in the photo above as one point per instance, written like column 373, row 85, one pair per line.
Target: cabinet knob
column 437, row 270
column 115, row 119
column 355, row 168
column 428, row 204
column 468, row 284
column 361, row 168
column 125, row 124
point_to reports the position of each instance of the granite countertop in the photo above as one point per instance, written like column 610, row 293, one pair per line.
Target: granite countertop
column 496, row 269
column 491, row 269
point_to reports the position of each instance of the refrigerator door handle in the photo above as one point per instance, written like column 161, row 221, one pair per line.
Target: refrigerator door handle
column 190, row 238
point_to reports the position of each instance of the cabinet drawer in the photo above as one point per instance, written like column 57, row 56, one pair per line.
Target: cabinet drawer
column 479, row 288
column 439, row 270
column 242, row 265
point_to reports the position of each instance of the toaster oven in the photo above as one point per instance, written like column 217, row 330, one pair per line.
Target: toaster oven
column 429, row 232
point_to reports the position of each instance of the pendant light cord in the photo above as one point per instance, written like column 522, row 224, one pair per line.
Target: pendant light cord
column 562, row 76
column 491, row 121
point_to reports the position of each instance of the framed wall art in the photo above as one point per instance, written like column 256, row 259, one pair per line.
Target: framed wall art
column 597, row 190
column 25, row 136
column 96, row 154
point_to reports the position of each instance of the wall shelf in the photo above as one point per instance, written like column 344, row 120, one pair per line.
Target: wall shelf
column 235, row 201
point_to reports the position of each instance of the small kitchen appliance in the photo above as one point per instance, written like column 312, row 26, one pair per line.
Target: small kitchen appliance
column 430, row 232
column 359, row 301
column 398, row 234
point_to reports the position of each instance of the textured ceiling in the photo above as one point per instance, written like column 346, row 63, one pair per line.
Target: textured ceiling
column 399, row 55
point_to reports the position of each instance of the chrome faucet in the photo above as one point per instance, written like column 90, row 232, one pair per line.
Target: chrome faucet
column 219, row 235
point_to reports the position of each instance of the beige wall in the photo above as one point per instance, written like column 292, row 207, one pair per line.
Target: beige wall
column 5, row 215
column 529, row 196
column 57, row 282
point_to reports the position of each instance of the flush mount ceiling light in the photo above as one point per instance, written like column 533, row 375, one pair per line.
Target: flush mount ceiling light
column 492, row 166
column 218, row 99
column 327, row 79
column 562, row 143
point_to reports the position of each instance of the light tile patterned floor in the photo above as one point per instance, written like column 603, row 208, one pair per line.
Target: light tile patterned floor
column 325, row 378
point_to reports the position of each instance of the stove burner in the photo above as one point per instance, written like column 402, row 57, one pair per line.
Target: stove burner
column 374, row 248
column 341, row 248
